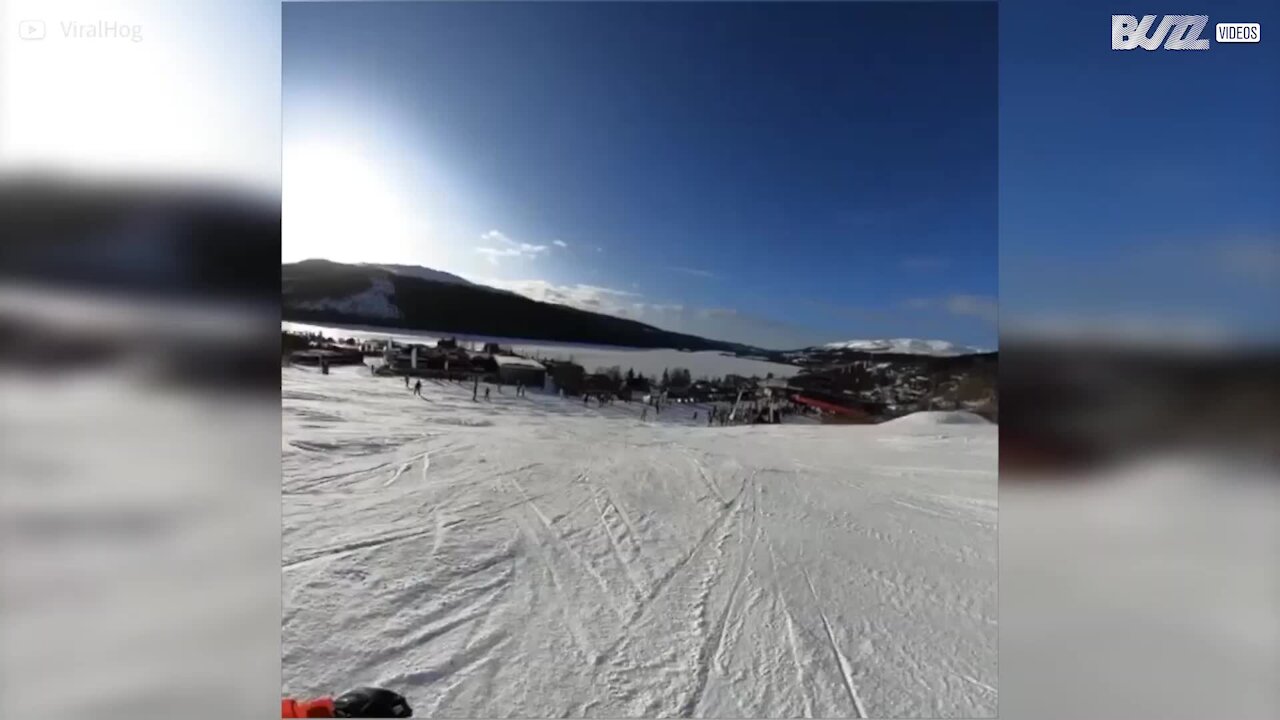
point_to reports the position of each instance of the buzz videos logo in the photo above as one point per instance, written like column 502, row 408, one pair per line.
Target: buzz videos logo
column 1176, row 32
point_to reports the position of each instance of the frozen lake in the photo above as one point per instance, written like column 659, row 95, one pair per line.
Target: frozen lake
column 647, row 362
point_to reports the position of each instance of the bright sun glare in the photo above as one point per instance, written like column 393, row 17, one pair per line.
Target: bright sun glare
column 338, row 206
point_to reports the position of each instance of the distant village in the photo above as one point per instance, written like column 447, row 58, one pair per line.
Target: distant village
column 833, row 389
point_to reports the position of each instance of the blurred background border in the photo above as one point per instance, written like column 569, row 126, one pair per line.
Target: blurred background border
column 139, row 210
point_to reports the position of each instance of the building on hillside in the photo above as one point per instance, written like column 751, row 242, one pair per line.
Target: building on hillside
column 484, row 364
column 332, row 355
column 447, row 343
column 374, row 347
column 775, row 389
column 514, row 370
column 564, row 376
column 633, row 389
column 431, row 360
column 600, row 384
column 677, row 395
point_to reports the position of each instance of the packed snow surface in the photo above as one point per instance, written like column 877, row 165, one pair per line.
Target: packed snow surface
column 535, row 557
column 906, row 346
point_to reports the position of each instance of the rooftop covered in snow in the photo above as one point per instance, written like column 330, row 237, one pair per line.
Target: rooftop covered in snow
column 514, row 361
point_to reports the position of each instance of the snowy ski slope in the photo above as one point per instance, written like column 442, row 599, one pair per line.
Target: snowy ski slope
column 532, row 557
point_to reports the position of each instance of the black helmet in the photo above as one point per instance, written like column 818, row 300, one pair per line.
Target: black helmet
column 371, row 702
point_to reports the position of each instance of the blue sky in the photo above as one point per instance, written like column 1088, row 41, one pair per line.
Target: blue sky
column 773, row 174
column 1138, row 190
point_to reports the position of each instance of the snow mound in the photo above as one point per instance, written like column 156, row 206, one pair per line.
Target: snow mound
column 931, row 418
column 906, row 346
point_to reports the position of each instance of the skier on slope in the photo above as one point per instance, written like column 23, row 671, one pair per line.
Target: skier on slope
column 365, row 702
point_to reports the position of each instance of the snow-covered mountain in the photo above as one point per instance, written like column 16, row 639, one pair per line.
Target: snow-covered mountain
column 906, row 346
column 417, row 271
column 418, row 298
column 375, row 302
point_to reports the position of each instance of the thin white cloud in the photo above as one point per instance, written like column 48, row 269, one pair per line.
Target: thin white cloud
column 983, row 308
column 583, row 297
column 560, row 243
column 507, row 248
column 960, row 305
column 664, row 309
column 494, row 254
column 693, row 271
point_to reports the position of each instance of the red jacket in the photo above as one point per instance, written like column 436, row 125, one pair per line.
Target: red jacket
column 318, row 708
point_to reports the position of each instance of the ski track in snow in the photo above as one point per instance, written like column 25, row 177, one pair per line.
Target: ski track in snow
column 532, row 557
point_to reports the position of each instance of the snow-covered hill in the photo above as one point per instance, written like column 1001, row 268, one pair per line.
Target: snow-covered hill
column 325, row 292
column 418, row 271
column 376, row 301
column 906, row 346
column 539, row 558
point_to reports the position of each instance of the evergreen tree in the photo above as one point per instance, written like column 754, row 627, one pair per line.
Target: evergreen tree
column 680, row 378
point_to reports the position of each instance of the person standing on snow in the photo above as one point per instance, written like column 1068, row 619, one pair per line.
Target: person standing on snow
column 417, row 388
column 486, row 394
